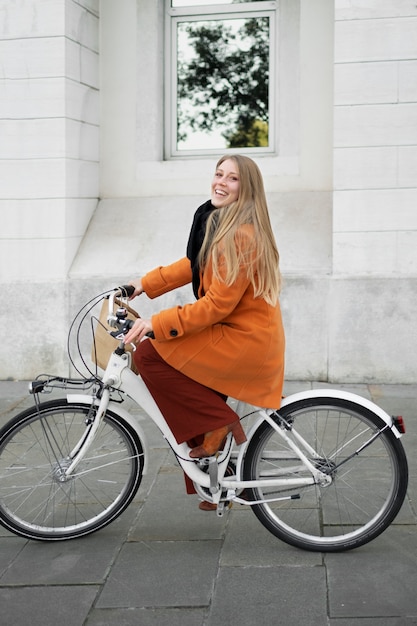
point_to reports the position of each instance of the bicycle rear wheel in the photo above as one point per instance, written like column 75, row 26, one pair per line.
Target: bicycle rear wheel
column 368, row 467
column 37, row 500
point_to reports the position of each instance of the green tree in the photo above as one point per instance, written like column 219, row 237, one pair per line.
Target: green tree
column 252, row 136
column 223, row 80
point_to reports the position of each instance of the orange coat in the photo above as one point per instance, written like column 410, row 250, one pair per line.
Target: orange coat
column 226, row 340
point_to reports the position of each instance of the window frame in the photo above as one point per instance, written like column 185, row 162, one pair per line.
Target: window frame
column 211, row 12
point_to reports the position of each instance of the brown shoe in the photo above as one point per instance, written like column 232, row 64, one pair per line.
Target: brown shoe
column 207, row 506
column 214, row 440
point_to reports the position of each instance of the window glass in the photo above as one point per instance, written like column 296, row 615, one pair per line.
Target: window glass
column 223, row 83
column 220, row 81
column 194, row 3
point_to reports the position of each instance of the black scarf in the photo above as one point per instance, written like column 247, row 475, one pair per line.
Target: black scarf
column 195, row 240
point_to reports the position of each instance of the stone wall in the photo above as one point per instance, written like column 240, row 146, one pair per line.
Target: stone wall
column 375, row 139
column 342, row 188
column 49, row 126
column 49, row 160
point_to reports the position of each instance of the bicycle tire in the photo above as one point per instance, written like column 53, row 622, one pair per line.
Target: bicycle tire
column 367, row 489
column 37, row 501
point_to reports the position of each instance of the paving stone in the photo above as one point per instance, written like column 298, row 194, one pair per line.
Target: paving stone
column 359, row 389
column 247, row 542
column 376, row 580
column 14, row 398
column 5, row 533
column 79, row 561
column 183, row 520
column 10, row 548
column 162, row 574
column 154, row 436
column 45, row 606
column 291, row 596
column 295, row 386
column 166, row 563
column 156, row 458
column 378, row 621
column 146, row 617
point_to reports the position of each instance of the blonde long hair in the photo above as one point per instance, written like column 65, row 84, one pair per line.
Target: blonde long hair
column 226, row 237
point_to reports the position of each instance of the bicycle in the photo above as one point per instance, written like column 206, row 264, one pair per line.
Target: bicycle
column 325, row 472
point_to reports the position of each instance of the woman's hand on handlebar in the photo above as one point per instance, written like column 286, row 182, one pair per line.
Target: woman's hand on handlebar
column 139, row 330
column 137, row 284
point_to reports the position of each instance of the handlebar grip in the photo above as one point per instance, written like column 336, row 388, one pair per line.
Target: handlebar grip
column 118, row 334
column 127, row 290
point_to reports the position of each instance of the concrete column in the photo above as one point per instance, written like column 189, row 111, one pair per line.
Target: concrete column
column 49, row 128
column 49, row 153
column 375, row 138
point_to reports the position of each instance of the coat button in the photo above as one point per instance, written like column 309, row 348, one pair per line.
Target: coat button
column 173, row 332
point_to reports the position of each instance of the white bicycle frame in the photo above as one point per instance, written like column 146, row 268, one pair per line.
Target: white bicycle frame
column 118, row 375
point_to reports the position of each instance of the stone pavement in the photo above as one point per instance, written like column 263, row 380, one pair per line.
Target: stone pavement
column 166, row 563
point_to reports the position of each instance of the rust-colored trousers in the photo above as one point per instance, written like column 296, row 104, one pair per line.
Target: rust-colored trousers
column 190, row 409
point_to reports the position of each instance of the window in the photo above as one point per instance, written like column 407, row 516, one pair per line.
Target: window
column 221, row 77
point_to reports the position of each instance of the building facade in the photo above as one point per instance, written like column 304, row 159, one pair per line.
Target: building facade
column 90, row 195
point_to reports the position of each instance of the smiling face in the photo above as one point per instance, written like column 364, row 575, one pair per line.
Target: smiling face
column 225, row 185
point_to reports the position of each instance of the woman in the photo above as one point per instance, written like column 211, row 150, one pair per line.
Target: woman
column 230, row 341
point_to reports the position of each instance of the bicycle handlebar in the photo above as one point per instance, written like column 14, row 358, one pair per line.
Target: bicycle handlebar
column 127, row 325
column 126, row 290
column 122, row 329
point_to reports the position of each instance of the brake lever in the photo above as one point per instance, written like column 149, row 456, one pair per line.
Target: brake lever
column 127, row 325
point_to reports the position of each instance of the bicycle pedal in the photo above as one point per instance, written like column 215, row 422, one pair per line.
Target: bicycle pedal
column 221, row 507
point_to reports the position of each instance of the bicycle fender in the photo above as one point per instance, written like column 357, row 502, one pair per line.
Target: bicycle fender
column 121, row 412
column 343, row 395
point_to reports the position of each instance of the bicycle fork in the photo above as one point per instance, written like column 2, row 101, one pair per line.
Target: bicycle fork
column 79, row 451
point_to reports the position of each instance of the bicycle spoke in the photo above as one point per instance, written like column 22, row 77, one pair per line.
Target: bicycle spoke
column 356, row 449
column 38, row 499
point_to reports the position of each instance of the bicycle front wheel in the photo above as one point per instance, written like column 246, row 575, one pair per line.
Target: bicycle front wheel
column 37, row 499
column 366, row 462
